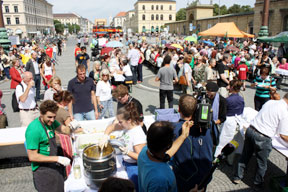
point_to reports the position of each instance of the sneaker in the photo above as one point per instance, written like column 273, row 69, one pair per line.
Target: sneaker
column 236, row 181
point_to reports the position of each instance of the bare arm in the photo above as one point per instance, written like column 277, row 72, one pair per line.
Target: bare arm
column 284, row 137
column 34, row 156
column 157, row 79
column 23, row 97
column 137, row 149
column 224, row 78
column 53, row 70
column 113, row 127
column 70, row 110
column 178, row 142
column 88, row 65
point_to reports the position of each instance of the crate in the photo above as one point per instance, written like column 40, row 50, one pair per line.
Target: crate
column 279, row 184
column 167, row 115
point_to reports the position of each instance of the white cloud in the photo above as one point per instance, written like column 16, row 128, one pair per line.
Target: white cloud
column 93, row 9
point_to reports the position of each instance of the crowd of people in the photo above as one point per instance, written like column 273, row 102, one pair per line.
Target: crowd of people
column 222, row 71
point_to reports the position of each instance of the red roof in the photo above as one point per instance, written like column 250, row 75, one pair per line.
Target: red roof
column 121, row 14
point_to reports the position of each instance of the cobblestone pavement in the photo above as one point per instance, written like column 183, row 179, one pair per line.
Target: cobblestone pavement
column 20, row 178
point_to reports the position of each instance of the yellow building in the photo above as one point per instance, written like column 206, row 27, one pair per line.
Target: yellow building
column 150, row 15
column 200, row 17
column 100, row 22
column 28, row 18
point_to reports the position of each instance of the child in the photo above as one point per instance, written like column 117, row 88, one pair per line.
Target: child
column 242, row 71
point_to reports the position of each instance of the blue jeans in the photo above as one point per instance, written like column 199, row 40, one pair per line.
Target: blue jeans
column 134, row 70
column 37, row 80
column 88, row 116
column 260, row 145
column 108, row 106
column 7, row 73
column 132, row 172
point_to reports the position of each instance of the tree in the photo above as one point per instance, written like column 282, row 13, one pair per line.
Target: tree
column 181, row 14
column 246, row 8
column 234, row 9
column 59, row 27
column 73, row 28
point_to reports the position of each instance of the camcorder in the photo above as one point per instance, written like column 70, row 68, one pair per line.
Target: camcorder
column 203, row 114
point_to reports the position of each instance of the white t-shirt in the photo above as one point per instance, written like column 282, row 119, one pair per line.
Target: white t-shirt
column 159, row 61
column 30, row 101
column 187, row 69
column 272, row 118
column 127, row 71
column 132, row 137
column 103, row 91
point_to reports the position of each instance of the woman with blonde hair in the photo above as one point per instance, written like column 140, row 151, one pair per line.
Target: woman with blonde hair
column 104, row 95
column 95, row 73
column 55, row 86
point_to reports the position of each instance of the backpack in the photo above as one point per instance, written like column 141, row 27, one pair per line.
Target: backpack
column 15, row 104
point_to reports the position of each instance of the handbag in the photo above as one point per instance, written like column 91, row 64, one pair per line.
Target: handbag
column 273, row 94
column 183, row 80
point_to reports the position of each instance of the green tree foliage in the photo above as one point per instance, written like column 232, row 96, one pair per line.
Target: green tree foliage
column 181, row 14
column 233, row 9
column 59, row 27
column 72, row 28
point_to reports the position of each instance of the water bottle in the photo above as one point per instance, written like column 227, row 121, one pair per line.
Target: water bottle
column 76, row 167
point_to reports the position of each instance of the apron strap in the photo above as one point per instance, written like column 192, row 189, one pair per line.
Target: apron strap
column 44, row 128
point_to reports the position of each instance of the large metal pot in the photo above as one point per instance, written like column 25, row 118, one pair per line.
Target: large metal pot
column 98, row 165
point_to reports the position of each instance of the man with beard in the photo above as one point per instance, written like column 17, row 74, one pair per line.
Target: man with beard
column 41, row 145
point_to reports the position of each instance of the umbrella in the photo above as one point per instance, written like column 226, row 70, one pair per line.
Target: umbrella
column 106, row 50
column 177, row 46
column 191, row 38
column 232, row 48
column 281, row 37
column 209, row 43
column 114, row 44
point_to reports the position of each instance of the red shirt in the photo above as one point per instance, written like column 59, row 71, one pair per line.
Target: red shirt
column 77, row 51
column 49, row 52
column 243, row 69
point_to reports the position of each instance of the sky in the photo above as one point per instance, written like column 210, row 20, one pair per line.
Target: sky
column 92, row 9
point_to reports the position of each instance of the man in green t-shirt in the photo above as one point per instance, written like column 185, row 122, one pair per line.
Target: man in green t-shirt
column 42, row 149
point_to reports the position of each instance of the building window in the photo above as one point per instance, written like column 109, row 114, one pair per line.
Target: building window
column 157, row 17
column 143, row 17
column 143, row 7
column 161, row 17
column 170, row 17
column 152, row 17
column 161, row 7
column 16, row 9
column 7, row 9
column 170, row 7
column 157, row 7
column 17, row 21
column 152, row 7
column 8, row 21
column 285, row 22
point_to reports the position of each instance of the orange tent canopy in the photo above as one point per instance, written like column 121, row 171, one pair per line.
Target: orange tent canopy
column 247, row 35
column 223, row 30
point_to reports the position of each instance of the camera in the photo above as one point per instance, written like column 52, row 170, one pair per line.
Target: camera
column 203, row 114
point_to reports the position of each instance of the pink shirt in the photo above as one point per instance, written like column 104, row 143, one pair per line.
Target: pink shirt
column 284, row 66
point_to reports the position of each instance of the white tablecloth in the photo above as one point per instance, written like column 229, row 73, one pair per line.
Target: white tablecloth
column 282, row 72
column 75, row 185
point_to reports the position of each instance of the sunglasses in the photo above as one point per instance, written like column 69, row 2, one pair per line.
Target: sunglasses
column 105, row 75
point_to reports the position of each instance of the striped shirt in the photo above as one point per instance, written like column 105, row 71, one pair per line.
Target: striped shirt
column 261, row 91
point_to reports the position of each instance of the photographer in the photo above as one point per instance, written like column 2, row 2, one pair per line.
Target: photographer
column 193, row 160
column 218, row 107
